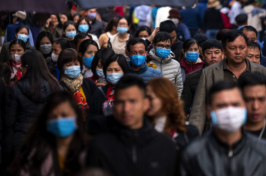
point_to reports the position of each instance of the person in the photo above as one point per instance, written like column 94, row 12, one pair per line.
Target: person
column 161, row 14
column 226, row 20
column 93, row 172
column 213, row 20
column 253, row 88
column 56, row 143
column 80, row 38
column 166, row 112
column 110, row 30
column 21, row 33
column 241, row 20
column 226, row 148
column 236, row 9
column 114, row 68
column 70, row 65
column 97, row 27
column 201, row 38
column 192, row 61
column 118, row 41
column 87, row 50
column 181, row 29
column 191, row 18
column 51, row 26
column 143, row 32
column 64, row 18
column 44, row 43
column 25, row 100
column 76, row 17
column 235, row 63
column 69, row 32
column 141, row 12
column 109, row 15
column 212, row 53
column 130, row 137
column 97, row 66
column 220, row 34
column 254, row 53
column 162, row 58
column 176, row 45
column 137, row 52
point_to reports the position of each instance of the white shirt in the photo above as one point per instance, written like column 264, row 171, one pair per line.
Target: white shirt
column 235, row 10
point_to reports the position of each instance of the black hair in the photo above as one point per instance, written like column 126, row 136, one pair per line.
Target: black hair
column 40, row 37
column 37, row 71
column 84, row 45
column 188, row 43
column 87, row 21
column 220, row 86
column 251, row 79
column 134, row 41
column 253, row 45
column 167, row 26
column 22, row 27
column 120, row 59
column 103, row 54
column 63, row 42
column 128, row 21
column 80, row 36
column 19, row 42
column 201, row 38
column 113, row 22
column 211, row 43
column 65, row 25
column 231, row 35
column 221, row 33
column 129, row 81
column 249, row 28
column 60, row 25
column 162, row 37
column 76, row 14
column 241, row 19
column 5, row 73
column 142, row 28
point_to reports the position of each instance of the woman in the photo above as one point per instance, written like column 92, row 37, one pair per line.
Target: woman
column 114, row 68
column 26, row 99
column 143, row 32
column 119, row 40
column 63, row 18
column 166, row 112
column 52, row 26
column 87, row 50
column 44, row 43
column 56, row 143
column 76, row 17
column 22, row 32
column 69, row 32
column 97, row 66
column 70, row 65
column 110, row 30
column 191, row 62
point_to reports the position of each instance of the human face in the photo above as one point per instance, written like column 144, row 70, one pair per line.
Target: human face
column 56, row 49
column 70, row 28
column 193, row 48
column 91, row 11
column 163, row 44
column 236, row 51
column 22, row 31
column 130, row 106
column 83, row 22
column 251, row 35
column 212, row 56
column 91, row 51
column 99, row 66
column 114, row 67
column 253, row 55
column 16, row 49
column 54, row 20
column 75, row 19
column 143, row 34
column 80, row 41
column 63, row 110
column 137, row 49
column 122, row 23
column 45, row 40
column 155, row 109
column 255, row 99
column 71, row 64
column 63, row 18
column 173, row 36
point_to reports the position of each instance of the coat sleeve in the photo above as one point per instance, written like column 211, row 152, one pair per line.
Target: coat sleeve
column 4, row 55
column 197, row 115
column 179, row 82
column 187, row 96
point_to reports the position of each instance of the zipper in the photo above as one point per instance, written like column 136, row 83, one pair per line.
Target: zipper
column 134, row 154
column 161, row 66
column 230, row 153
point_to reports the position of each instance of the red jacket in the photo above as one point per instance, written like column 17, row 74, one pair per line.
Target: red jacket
column 226, row 21
column 190, row 67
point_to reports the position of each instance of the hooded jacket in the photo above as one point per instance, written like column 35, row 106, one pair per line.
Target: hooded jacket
column 254, row 16
column 169, row 68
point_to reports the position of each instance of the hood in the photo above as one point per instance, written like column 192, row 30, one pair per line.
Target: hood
column 158, row 59
column 248, row 8
column 25, row 87
column 142, row 69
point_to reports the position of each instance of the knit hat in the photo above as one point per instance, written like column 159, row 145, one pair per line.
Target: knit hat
column 201, row 38
column 174, row 13
column 20, row 14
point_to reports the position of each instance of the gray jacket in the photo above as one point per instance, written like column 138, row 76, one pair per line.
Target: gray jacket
column 209, row 76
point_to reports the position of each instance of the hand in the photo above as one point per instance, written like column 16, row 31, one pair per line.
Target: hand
column 48, row 22
column 154, row 32
column 99, row 84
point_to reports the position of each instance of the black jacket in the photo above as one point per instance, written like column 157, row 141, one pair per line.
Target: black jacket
column 189, row 90
column 51, row 66
column 183, row 139
column 125, row 152
column 213, row 19
column 208, row 156
column 21, row 110
column 3, row 95
column 97, row 27
column 177, row 48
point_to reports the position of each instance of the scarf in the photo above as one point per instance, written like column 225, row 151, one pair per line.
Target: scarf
column 16, row 65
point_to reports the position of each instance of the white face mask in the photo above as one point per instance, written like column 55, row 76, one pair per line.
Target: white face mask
column 54, row 57
column 229, row 119
column 175, row 21
column 16, row 58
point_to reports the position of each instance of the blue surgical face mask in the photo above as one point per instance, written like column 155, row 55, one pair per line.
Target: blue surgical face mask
column 23, row 37
column 87, row 61
column 122, row 30
column 72, row 72
column 83, row 28
column 100, row 73
column 92, row 16
column 162, row 52
column 113, row 78
column 137, row 60
column 71, row 34
column 62, row 127
column 192, row 56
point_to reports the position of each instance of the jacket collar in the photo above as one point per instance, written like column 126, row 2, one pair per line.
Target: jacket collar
column 142, row 69
column 158, row 59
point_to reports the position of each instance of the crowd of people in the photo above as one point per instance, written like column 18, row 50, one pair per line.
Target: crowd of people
column 135, row 91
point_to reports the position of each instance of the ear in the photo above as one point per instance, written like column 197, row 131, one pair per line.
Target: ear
column 127, row 53
column 147, row 53
column 153, row 45
column 80, row 55
column 146, row 104
column 16, row 35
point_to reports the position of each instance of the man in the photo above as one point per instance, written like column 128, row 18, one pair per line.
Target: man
column 97, row 27
column 137, row 52
column 235, row 63
column 226, row 150
column 169, row 27
column 162, row 59
column 80, row 38
column 253, row 88
column 212, row 53
column 130, row 145
column 109, row 14
column 191, row 18
column 254, row 53
column 241, row 21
